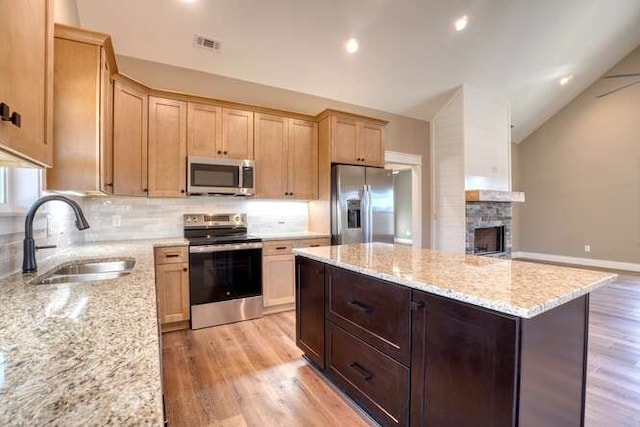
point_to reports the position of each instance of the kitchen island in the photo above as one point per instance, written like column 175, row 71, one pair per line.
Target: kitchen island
column 430, row 338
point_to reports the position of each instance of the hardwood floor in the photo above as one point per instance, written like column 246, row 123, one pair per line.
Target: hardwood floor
column 248, row 374
column 252, row 374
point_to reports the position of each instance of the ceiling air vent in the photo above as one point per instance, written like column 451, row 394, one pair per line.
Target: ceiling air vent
column 206, row 42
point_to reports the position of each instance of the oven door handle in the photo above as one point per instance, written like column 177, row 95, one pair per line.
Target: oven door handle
column 223, row 248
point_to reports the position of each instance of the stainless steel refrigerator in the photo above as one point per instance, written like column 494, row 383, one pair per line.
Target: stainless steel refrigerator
column 361, row 205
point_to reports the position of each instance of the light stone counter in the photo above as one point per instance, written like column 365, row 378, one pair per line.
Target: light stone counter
column 519, row 288
column 82, row 353
column 291, row 236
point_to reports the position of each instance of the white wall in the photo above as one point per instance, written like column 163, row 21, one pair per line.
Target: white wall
column 447, row 168
column 487, row 141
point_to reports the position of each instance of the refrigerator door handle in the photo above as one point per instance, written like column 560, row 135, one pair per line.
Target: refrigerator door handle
column 367, row 214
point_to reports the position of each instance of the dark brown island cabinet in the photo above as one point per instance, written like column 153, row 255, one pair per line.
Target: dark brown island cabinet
column 408, row 357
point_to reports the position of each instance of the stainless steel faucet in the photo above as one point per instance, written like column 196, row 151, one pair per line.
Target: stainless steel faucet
column 29, row 255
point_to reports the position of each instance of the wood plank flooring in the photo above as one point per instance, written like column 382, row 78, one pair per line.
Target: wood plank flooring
column 252, row 374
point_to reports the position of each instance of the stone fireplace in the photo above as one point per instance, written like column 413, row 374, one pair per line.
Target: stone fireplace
column 488, row 222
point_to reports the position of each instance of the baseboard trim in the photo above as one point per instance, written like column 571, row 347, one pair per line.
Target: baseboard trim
column 589, row 262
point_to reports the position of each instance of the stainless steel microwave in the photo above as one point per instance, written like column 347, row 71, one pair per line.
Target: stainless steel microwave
column 208, row 175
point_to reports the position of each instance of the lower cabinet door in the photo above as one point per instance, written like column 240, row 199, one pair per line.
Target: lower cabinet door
column 374, row 380
column 278, row 280
column 310, row 309
column 172, row 283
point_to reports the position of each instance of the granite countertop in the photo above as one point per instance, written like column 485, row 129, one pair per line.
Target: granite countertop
column 82, row 353
column 291, row 236
column 519, row 288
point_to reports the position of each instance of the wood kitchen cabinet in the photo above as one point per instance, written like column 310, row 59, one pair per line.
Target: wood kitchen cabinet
column 130, row 127
column 172, row 287
column 352, row 139
column 278, row 280
column 167, row 147
column 214, row 131
column 286, row 157
column 26, row 76
column 83, row 114
column 310, row 309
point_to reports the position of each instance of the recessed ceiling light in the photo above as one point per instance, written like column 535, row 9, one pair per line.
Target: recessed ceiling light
column 351, row 45
column 566, row 79
column 461, row 23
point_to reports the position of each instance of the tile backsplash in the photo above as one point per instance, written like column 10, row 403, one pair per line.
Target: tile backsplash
column 126, row 218
column 140, row 218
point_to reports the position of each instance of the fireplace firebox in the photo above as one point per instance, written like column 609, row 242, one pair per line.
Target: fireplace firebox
column 488, row 240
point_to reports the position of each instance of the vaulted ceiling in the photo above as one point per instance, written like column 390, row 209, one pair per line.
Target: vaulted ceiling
column 410, row 57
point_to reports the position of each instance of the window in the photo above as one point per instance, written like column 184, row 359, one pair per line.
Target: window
column 19, row 188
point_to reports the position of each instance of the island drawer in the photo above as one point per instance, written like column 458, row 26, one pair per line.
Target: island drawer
column 376, row 381
column 171, row 254
column 375, row 311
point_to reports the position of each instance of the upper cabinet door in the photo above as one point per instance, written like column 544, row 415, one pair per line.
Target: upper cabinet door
column 237, row 134
column 204, row 130
column 271, row 158
column 167, row 147
column 344, row 137
column 371, row 144
column 130, row 119
column 26, row 73
column 303, row 159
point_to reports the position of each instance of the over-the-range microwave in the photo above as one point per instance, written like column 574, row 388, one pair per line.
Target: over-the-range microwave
column 211, row 176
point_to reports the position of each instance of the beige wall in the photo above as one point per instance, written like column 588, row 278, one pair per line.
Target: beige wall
column 581, row 175
column 66, row 12
column 516, row 186
column 403, row 134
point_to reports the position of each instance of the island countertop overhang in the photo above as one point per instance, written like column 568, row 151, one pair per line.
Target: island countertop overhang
column 518, row 288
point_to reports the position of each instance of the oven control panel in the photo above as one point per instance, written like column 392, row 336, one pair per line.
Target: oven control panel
column 215, row 220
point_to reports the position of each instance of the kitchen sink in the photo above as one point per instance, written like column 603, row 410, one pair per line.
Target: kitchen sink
column 87, row 271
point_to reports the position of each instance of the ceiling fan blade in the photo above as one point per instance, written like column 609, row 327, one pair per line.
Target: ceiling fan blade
column 618, row 89
column 613, row 76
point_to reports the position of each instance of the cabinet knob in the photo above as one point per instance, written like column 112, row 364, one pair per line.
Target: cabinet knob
column 109, row 184
column 184, row 269
column 146, row 190
column 219, row 151
column 224, row 152
column 182, row 191
column 5, row 112
column 16, row 119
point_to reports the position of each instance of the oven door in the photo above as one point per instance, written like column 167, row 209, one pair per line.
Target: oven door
column 225, row 272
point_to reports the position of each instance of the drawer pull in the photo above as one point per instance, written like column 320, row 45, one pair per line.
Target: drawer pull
column 172, row 255
column 360, row 306
column 279, row 248
column 315, row 245
column 366, row 375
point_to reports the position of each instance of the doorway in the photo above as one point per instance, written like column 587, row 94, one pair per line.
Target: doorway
column 407, row 182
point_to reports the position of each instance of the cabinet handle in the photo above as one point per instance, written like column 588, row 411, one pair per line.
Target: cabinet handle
column 16, row 119
column 314, row 246
column 320, row 271
column 109, row 184
column 360, row 306
column 224, row 152
column 280, row 248
column 5, row 112
column 182, row 191
column 219, row 151
column 184, row 269
column 172, row 255
column 366, row 375
column 146, row 190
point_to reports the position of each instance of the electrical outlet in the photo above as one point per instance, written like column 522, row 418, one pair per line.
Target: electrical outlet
column 116, row 220
column 587, row 248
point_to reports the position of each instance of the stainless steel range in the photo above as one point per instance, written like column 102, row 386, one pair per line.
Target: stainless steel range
column 225, row 269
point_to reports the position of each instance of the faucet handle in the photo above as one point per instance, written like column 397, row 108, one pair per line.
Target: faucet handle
column 46, row 247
